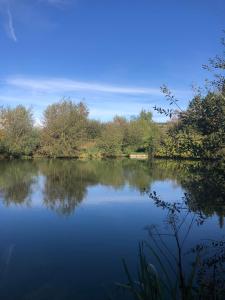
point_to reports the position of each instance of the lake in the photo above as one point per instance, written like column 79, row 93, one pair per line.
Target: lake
column 65, row 225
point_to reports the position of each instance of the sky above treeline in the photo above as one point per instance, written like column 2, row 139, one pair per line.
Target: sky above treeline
column 112, row 54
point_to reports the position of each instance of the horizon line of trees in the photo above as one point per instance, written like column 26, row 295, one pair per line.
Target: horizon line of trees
column 68, row 132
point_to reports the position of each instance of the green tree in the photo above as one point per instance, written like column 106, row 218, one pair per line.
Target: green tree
column 200, row 130
column 141, row 133
column 18, row 135
column 94, row 129
column 64, row 129
column 206, row 115
column 110, row 141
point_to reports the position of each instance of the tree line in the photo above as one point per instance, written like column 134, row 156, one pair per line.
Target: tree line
column 66, row 131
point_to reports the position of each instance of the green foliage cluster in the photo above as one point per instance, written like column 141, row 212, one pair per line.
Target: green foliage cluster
column 199, row 132
column 64, row 129
column 17, row 133
column 122, row 136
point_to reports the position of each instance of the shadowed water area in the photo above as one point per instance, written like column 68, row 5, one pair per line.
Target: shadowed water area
column 65, row 225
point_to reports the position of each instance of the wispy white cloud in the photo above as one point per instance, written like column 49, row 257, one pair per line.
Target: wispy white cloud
column 10, row 26
column 6, row 14
column 104, row 100
column 56, row 2
column 69, row 85
column 7, row 7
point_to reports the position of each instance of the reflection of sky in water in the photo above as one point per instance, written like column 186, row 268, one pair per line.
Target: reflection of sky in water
column 100, row 194
column 54, row 255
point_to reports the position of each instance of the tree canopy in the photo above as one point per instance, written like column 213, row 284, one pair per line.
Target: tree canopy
column 64, row 129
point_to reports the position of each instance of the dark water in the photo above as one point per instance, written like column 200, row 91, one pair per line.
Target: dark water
column 65, row 225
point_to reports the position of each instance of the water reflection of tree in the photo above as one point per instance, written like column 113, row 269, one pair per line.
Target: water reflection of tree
column 66, row 183
column 117, row 173
column 16, row 178
column 203, row 181
column 206, row 187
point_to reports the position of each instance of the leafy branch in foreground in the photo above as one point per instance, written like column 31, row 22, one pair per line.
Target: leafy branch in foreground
column 174, row 278
column 216, row 66
column 170, row 97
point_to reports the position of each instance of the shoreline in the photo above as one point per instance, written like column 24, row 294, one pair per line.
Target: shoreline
column 133, row 156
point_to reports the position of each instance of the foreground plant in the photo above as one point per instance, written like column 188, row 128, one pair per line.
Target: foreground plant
column 171, row 277
column 148, row 285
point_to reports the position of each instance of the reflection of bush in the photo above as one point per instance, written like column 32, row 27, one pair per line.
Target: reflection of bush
column 204, row 182
column 67, row 180
column 16, row 178
column 117, row 173
column 206, row 187
column 65, row 184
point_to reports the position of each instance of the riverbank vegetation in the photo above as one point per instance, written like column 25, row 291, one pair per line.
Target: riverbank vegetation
column 67, row 131
column 198, row 132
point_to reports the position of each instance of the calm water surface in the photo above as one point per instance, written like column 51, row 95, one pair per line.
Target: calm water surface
column 65, row 225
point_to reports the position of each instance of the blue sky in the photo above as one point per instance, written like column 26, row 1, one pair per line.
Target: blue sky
column 113, row 54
